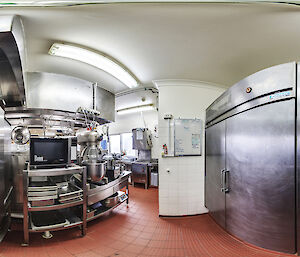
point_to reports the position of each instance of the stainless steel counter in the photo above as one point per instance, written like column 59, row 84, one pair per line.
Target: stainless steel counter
column 98, row 193
column 142, row 172
column 150, row 164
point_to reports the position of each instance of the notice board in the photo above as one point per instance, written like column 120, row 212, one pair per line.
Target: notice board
column 187, row 137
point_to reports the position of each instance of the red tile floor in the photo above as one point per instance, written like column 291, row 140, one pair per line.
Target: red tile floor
column 136, row 231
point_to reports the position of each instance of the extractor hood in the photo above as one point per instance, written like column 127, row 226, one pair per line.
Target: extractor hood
column 12, row 57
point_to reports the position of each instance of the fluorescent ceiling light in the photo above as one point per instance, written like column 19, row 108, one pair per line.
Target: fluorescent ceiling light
column 95, row 59
column 140, row 108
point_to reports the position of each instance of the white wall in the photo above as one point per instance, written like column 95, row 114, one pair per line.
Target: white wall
column 127, row 122
column 181, row 191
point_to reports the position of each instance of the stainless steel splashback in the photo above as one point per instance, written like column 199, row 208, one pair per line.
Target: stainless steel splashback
column 5, row 175
column 12, row 58
column 66, row 93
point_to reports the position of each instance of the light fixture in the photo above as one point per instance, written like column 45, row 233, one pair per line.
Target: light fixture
column 139, row 108
column 95, row 59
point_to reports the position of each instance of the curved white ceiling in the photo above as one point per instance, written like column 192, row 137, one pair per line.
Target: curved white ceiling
column 219, row 43
column 80, row 2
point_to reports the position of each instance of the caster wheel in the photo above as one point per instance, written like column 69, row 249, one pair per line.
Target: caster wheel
column 47, row 235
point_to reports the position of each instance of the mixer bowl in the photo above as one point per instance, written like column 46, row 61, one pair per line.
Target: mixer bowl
column 95, row 170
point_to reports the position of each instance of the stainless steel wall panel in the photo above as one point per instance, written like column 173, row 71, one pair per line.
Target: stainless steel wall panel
column 264, row 82
column 58, row 92
column 215, row 163
column 105, row 103
column 260, row 158
column 66, row 93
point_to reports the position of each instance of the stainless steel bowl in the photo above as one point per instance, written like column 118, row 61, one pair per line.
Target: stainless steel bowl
column 20, row 135
column 95, row 170
column 112, row 200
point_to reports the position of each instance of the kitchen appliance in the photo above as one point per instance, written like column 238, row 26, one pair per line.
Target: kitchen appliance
column 113, row 166
column 111, row 160
column 252, row 160
column 140, row 169
column 6, row 187
column 141, row 139
column 113, row 174
column 90, row 155
column 20, row 135
column 47, row 152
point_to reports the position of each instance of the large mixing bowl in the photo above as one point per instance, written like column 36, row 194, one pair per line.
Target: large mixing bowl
column 95, row 170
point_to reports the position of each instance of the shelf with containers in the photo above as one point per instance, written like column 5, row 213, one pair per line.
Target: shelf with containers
column 103, row 199
column 54, row 202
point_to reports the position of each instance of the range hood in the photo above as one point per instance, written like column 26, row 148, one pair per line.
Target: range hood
column 46, row 97
column 12, row 57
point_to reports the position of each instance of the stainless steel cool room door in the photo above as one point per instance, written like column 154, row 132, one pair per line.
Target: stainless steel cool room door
column 260, row 158
column 215, row 164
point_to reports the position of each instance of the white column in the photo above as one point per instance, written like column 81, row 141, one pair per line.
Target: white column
column 181, row 191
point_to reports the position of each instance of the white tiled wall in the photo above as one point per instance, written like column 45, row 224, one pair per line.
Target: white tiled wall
column 181, row 191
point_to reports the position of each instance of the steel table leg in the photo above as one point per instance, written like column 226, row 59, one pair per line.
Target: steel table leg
column 84, row 207
column 25, row 209
column 127, row 193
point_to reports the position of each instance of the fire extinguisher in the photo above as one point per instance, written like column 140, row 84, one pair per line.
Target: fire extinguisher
column 165, row 148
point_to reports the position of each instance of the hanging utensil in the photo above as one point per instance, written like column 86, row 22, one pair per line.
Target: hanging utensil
column 20, row 135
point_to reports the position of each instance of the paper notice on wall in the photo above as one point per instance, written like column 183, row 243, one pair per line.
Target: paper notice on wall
column 179, row 146
column 139, row 135
column 187, row 137
column 195, row 141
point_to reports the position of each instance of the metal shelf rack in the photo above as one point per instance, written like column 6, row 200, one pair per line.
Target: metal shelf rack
column 108, row 210
column 54, row 207
column 27, row 208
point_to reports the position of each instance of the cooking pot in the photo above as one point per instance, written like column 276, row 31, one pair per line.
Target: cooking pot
column 112, row 200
